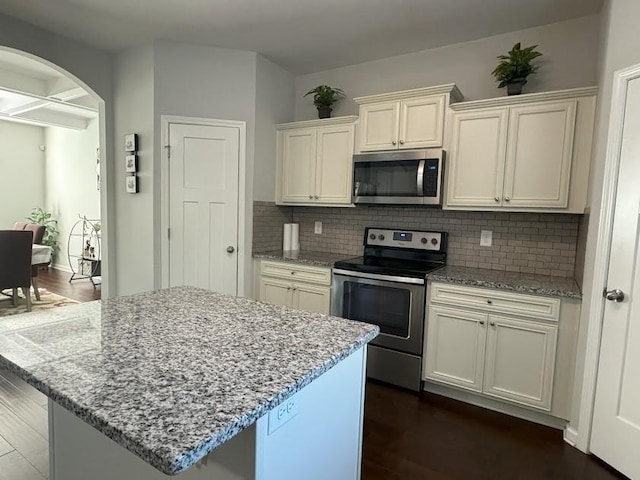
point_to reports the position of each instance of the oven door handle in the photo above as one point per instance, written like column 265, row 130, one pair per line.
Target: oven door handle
column 375, row 276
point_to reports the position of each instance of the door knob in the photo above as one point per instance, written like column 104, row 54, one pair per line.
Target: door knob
column 230, row 249
column 616, row 295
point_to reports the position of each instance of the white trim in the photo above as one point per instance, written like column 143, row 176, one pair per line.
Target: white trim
column 450, row 88
column 526, row 98
column 322, row 122
column 601, row 257
column 243, row 253
column 61, row 267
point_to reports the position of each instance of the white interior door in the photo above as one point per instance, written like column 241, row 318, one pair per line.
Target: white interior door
column 616, row 421
column 203, row 206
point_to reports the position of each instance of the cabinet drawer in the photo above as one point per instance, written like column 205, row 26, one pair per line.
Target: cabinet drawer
column 298, row 273
column 494, row 301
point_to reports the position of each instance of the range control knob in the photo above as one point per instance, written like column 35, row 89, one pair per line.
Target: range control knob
column 381, row 237
column 423, row 239
column 372, row 236
column 434, row 241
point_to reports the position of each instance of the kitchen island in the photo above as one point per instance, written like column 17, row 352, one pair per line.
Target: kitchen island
column 196, row 384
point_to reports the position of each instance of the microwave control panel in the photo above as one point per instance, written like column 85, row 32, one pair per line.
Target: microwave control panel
column 413, row 239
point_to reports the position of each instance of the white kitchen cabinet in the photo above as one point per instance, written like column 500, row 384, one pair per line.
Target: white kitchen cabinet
column 501, row 346
column 525, row 153
column 404, row 120
column 520, row 361
column 315, row 162
column 455, row 347
column 298, row 286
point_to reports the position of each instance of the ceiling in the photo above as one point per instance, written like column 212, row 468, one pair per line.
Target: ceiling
column 34, row 93
column 301, row 35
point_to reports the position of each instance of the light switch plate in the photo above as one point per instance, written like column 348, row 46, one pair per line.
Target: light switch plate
column 317, row 228
column 486, row 238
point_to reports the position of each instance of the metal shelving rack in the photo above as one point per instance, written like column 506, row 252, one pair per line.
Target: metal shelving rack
column 83, row 250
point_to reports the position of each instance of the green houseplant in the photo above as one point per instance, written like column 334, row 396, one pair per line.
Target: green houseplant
column 324, row 97
column 515, row 67
column 51, row 233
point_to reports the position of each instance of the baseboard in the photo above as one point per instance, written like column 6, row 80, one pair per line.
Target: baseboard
column 62, row 268
column 496, row 406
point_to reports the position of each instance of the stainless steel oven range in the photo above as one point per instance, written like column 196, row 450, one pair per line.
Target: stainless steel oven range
column 387, row 287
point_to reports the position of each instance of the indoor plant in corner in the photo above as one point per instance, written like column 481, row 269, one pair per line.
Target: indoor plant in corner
column 515, row 67
column 51, row 233
column 324, row 97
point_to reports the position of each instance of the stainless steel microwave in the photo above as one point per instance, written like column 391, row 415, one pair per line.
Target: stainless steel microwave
column 411, row 177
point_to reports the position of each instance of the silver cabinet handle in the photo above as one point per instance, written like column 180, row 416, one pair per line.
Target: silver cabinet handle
column 230, row 249
column 497, row 199
column 507, row 199
column 393, row 142
column 401, row 142
column 616, row 295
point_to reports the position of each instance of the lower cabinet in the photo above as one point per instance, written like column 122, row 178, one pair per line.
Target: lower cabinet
column 278, row 284
column 510, row 358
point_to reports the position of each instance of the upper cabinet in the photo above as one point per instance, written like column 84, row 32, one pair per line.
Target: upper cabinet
column 315, row 161
column 525, row 153
column 404, row 120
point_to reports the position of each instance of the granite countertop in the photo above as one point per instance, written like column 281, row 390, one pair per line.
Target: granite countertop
column 170, row 375
column 315, row 259
column 513, row 281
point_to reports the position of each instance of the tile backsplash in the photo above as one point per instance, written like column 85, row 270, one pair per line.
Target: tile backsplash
column 542, row 244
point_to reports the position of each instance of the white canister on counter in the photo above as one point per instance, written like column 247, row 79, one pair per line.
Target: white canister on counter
column 295, row 236
column 286, row 237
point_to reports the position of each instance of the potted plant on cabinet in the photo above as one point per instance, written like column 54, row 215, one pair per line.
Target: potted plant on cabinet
column 515, row 67
column 324, row 97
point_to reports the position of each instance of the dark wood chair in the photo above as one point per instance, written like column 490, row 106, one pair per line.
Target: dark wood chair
column 15, row 263
column 38, row 235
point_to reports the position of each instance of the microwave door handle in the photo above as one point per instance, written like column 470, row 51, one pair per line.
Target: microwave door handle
column 420, row 179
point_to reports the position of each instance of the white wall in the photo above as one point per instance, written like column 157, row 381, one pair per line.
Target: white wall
column 134, row 213
column 21, row 172
column 569, row 61
column 275, row 94
column 619, row 49
column 70, row 180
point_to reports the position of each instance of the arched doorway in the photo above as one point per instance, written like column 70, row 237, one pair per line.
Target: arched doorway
column 58, row 98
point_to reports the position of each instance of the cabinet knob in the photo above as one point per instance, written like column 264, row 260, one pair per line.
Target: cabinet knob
column 489, row 302
column 507, row 199
column 393, row 142
column 481, row 322
column 401, row 142
column 316, row 197
column 497, row 199
column 493, row 324
column 310, row 197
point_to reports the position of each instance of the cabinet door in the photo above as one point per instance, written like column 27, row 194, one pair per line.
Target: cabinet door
column 476, row 162
column 539, row 153
column 311, row 298
column 379, row 124
column 455, row 346
column 298, row 162
column 276, row 291
column 334, row 164
column 421, row 122
column 520, row 361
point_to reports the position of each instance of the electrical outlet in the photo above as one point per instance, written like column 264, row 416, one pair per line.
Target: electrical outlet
column 283, row 413
column 317, row 229
column 486, row 238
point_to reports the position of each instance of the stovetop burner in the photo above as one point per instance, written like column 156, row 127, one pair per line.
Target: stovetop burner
column 406, row 253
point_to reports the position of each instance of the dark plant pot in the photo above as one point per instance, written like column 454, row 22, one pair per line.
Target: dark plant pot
column 515, row 88
column 324, row 112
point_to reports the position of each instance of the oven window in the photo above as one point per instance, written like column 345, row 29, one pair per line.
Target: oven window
column 387, row 307
column 386, row 179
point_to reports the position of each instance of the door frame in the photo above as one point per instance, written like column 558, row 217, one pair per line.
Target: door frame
column 241, row 250
column 580, row 437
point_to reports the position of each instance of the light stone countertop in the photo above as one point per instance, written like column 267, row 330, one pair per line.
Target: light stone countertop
column 511, row 281
column 172, row 374
column 302, row 257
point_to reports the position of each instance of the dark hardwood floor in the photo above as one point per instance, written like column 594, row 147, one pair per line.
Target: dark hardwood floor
column 425, row 436
column 57, row 281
